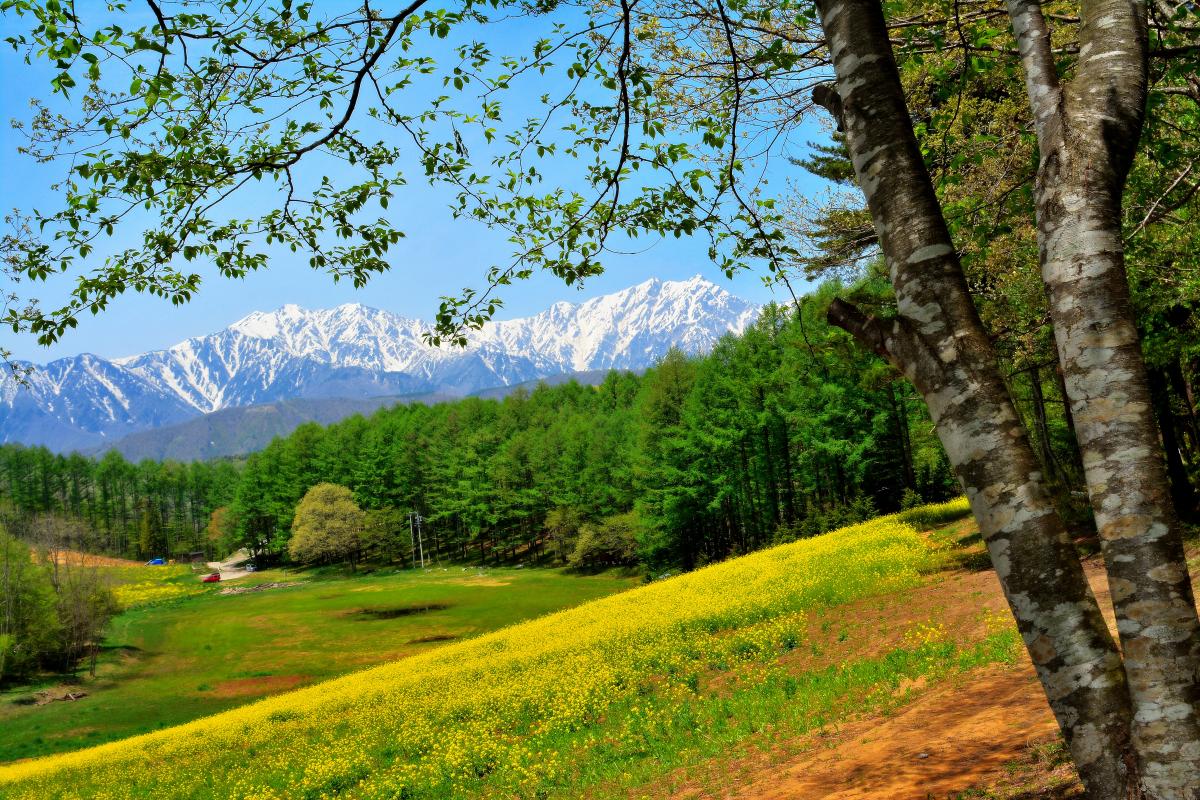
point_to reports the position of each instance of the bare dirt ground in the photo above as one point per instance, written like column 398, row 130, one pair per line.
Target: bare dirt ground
column 950, row 739
column 256, row 686
column 76, row 558
column 987, row 734
column 233, row 567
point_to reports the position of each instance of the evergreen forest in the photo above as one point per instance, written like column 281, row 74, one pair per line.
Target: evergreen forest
column 785, row 431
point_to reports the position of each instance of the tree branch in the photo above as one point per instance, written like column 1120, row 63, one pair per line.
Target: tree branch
column 869, row 331
column 1041, row 74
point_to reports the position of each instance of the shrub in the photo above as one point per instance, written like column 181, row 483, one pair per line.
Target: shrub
column 562, row 529
column 611, row 541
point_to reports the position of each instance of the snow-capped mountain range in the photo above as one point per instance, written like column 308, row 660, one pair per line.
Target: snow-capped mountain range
column 356, row 351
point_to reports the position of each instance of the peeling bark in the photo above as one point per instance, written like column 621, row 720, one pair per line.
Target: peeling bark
column 1087, row 135
column 938, row 342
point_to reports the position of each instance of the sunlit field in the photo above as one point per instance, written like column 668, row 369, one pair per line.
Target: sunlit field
column 183, row 650
column 599, row 697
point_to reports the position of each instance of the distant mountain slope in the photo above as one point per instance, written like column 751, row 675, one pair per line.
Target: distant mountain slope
column 243, row 430
column 355, row 351
column 238, row 431
column 75, row 403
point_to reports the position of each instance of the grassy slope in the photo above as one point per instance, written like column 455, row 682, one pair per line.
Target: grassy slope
column 596, row 700
column 170, row 663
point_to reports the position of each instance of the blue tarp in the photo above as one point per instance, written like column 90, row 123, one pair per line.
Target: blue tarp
column 156, row 562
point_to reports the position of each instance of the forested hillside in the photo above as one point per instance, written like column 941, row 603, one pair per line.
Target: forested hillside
column 782, row 432
column 787, row 430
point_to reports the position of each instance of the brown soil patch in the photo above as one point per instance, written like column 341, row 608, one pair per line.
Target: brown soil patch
column 988, row 732
column 477, row 580
column 75, row 732
column 962, row 602
column 76, row 558
column 947, row 741
column 965, row 603
column 252, row 687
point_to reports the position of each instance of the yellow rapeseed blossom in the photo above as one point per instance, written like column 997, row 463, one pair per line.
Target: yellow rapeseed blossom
column 135, row 586
column 936, row 513
column 511, row 708
column 131, row 595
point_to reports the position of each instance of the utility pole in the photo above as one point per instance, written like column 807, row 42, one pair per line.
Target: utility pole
column 417, row 542
column 412, row 540
column 421, row 540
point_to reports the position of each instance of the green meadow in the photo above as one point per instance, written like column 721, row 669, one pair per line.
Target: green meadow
column 174, row 661
column 611, row 699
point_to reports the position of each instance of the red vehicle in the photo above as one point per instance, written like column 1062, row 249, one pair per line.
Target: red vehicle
column 211, row 578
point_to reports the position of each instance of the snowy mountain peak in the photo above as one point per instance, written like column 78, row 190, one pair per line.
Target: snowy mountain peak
column 270, row 324
column 353, row 350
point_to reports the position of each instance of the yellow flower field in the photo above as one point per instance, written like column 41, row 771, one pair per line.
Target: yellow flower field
column 141, row 593
column 138, row 585
column 514, row 712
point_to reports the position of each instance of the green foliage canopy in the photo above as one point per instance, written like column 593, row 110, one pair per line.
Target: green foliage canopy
column 319, row 113
column 328, row 526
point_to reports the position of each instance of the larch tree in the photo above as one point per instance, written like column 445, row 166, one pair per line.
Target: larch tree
column 662, row 105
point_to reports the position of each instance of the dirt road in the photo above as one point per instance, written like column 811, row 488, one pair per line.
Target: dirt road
column 233, row 567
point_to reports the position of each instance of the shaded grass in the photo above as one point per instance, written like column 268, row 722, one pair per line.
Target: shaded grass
column 399, row 611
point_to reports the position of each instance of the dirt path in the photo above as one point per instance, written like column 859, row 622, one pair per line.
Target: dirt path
column 947, row 741
column 232, row 568
column 227, row 573
column 970, row 732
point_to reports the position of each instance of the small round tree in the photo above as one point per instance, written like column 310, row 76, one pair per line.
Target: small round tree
column 327, row 526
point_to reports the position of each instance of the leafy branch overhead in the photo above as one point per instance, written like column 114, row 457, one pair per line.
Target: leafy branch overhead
column 199, row 139
column 212, row 136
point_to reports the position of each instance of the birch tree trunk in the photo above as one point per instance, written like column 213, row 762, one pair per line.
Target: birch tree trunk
column 939, row 343
column 1087, row 134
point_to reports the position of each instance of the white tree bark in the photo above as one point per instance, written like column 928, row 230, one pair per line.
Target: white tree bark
column 939, row 343
column 1087, row 134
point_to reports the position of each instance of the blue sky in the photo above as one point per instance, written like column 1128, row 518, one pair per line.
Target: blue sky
column 439, row 257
